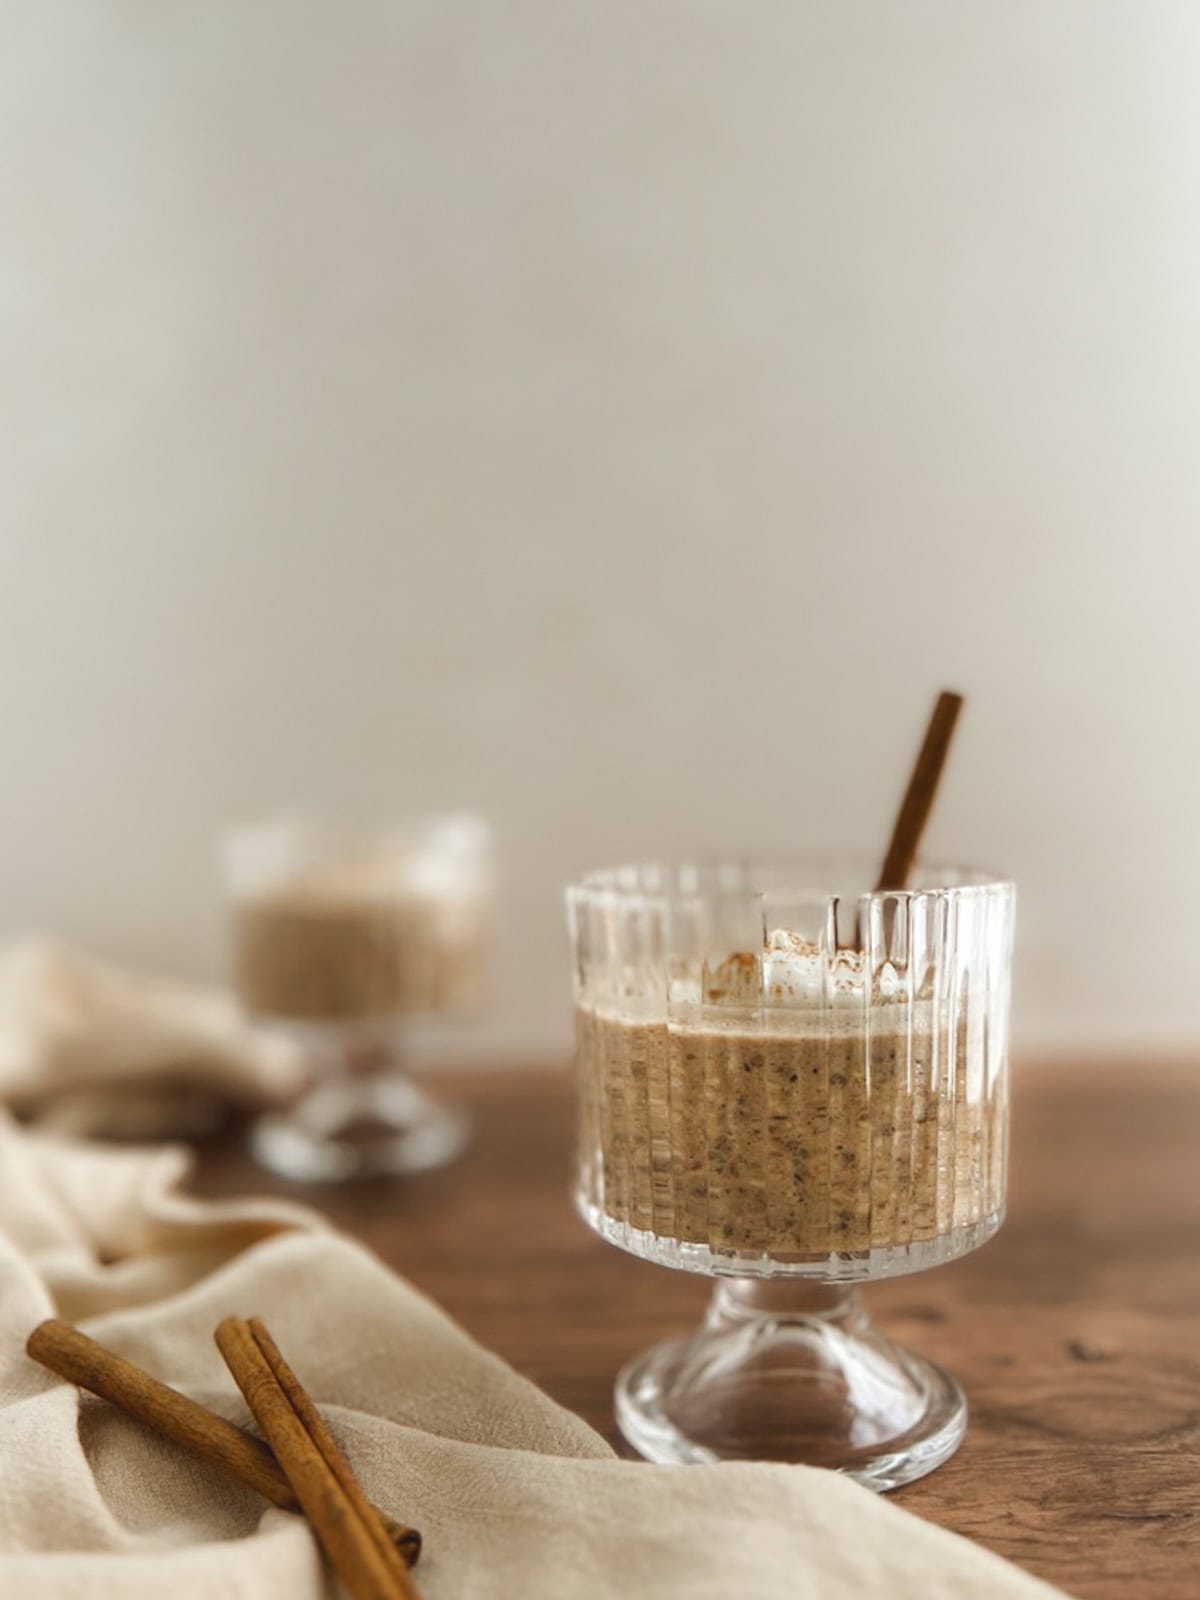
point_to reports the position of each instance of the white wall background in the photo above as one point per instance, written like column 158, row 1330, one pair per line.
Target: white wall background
column 619, row 416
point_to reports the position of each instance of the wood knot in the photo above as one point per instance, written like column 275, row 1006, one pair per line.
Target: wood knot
column 1078, row 1350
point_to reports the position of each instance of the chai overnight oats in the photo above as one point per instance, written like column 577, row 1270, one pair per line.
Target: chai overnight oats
column 833, row 1111
column 389, row 928
column 341, row 938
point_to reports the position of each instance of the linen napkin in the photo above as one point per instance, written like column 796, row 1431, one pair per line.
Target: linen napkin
column 88, row 1047
column 515, row 1496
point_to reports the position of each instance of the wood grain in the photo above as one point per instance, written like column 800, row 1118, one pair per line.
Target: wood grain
column 1076, row 1332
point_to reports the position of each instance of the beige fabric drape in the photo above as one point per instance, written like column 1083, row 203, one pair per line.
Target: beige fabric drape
column 89, row 1047
column 515, row 1496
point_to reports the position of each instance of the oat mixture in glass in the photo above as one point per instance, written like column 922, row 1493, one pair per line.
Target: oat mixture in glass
column 799, row 1099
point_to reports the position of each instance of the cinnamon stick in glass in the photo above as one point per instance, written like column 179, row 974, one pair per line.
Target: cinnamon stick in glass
column 920, row 794
column 72, row 1355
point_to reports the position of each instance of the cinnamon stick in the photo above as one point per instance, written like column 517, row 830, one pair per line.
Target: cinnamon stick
column 344, row 1537
column 920, row 794
column 72, row 1355
column 318, row 1432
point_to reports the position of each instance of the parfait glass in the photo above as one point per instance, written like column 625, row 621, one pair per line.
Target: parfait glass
column 342, row 941
column 793, row 1085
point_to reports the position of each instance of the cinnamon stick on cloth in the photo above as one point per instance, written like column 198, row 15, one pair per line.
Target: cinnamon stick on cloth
column 349, row 1528
column 72, row 1355
column 378, row 1527
column 515, row 1497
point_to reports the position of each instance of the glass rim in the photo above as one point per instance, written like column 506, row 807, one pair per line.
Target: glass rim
column 816, row 878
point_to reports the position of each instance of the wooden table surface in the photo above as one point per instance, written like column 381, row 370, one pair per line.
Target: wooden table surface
column 1075, row 1332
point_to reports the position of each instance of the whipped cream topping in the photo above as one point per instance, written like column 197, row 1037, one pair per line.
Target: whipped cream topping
column 789, row 972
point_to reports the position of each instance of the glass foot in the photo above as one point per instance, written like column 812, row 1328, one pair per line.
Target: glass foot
column 791, row 1372
column 364, row 1127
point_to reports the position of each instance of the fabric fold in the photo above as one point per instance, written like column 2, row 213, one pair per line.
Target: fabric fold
column 90, row 1047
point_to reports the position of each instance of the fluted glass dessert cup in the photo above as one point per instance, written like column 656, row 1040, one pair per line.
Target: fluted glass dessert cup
column 342, row 940
column 794, row 1086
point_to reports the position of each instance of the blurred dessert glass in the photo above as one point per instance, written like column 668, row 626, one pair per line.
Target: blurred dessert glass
column 343, row 941
column 792, row 1085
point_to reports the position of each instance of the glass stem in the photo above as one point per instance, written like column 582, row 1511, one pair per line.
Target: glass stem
column 362, row 1057
column 737, row 1301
